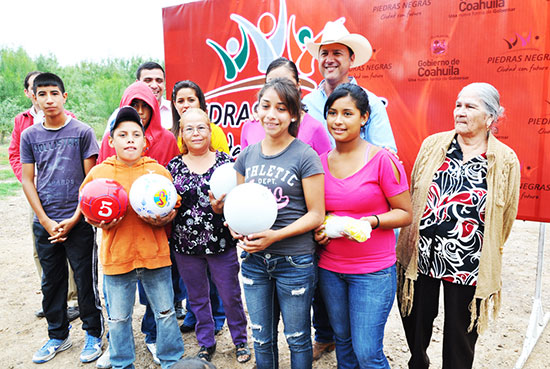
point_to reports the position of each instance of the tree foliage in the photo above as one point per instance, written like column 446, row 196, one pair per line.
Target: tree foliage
column 14, row 66
column 8, row 108
column 94, row 88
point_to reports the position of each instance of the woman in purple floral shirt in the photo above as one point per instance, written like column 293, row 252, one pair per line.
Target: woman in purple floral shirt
column 201, row 240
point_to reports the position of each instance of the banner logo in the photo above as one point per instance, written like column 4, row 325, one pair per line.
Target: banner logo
column 521, row 54
column 524, row 41
column 439, row 45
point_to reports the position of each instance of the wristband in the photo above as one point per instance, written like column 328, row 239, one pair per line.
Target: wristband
column 377, row 222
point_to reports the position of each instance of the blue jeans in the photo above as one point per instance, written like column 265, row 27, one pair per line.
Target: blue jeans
column 120, row 292
column 365, row 300
column 273, row 285
column 148, row 326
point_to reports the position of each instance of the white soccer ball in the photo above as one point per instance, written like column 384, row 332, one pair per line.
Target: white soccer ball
column 152, row 195
column 223, row 180
column 250, row 208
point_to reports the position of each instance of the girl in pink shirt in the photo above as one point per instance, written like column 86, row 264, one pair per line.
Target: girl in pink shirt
column 358, row 280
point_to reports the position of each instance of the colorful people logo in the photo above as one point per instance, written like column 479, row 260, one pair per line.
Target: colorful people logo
column 271, row 38
column 524, row 40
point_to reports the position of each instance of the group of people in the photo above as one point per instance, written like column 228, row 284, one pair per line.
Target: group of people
column 332, row 152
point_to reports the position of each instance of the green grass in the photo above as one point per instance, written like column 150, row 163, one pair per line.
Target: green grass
column 8, row 189
column 10, row 186
column 4, row 154
column 6, row 174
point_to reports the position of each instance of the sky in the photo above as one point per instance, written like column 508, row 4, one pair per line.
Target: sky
column 78, row 30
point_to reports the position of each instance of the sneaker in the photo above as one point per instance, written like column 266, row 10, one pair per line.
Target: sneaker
column 39, row 313
column 152, row 347
column 52, row 347
column 91, row 350
column 104, row 361
column 72, row 313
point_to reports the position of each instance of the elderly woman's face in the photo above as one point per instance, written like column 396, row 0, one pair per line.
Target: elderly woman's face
column 470, row 117
column 195, row 132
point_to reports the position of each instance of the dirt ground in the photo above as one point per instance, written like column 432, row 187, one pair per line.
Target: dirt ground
column 21, row 333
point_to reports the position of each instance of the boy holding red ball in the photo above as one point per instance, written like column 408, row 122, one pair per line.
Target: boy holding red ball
column 135, row 248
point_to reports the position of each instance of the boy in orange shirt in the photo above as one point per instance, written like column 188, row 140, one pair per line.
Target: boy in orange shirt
column 135, row 247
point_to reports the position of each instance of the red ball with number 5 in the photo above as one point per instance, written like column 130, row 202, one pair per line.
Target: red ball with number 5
column 103, row 200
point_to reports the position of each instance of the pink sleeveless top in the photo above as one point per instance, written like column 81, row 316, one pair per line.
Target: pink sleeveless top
column 362, row 194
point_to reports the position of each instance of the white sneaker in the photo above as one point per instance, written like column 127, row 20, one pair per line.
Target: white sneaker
column 52, row 347
column 92, row 349
column 152, row 347
column 104, row 361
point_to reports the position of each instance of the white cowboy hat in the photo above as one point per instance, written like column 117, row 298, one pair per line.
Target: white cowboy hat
column 337, row 33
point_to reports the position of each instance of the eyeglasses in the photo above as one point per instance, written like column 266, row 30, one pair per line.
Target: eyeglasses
column 188, row 131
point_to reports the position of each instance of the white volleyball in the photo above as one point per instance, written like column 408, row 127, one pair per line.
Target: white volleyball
column 223, row 180
column 152, row 195
column 250, row 208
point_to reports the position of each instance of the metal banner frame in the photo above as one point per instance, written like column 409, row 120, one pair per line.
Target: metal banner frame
column 538, row 319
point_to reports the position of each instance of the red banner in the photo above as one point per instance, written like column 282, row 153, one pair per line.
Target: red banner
column 425, row 51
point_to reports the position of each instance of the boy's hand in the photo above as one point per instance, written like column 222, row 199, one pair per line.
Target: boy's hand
column 51, row 227
column 159, row 221
column 217, row 204
column 104, row 225
column 62, row 230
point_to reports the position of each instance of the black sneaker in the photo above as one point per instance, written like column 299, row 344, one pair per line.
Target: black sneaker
column 72, row 313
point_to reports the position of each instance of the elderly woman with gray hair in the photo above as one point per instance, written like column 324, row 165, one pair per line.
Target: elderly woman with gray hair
column 465, row 190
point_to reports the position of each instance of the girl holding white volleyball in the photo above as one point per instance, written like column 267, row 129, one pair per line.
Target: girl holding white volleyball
column 200, row 239
column 278, row 266
column 358, row 279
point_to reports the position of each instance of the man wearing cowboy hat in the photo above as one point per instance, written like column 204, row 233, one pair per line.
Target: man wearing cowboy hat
column 337, row 52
